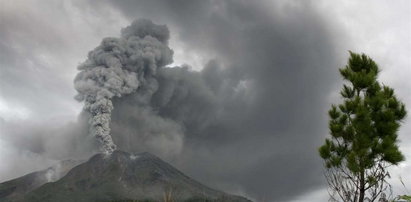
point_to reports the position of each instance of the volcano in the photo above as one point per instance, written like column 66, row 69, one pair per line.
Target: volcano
column 120, row 176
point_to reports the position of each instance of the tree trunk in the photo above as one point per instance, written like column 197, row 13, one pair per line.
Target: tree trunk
column 362, row 187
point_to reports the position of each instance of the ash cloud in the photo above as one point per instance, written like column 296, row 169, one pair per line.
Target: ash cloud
column 33, row 145
column 253, row 116
column 249, row 122
column 52, row 140
column 120, row 66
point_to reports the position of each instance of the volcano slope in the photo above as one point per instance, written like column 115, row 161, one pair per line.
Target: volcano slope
column 16, row 189
column 125, row 177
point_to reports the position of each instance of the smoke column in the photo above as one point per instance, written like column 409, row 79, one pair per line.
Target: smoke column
column 117, row 67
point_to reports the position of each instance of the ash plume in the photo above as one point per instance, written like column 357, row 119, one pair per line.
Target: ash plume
column 121, row 66
column 247, row 119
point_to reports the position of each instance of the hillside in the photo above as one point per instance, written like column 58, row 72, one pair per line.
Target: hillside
column 125, row 177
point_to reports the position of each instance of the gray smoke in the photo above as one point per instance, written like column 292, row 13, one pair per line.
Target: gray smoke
column 253, row 118
column 251, row 122
column 120, row 66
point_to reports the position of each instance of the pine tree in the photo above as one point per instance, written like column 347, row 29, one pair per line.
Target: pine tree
column 363, row 131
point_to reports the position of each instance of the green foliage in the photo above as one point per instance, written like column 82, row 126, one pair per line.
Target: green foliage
column 405, row 197
column 364, row 127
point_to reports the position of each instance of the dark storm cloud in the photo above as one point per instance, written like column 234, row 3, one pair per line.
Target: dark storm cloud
column 52, row 140
column 250, row 121
column 24, row 51
column 41, row 43
column 36, row 90
column 253, row 117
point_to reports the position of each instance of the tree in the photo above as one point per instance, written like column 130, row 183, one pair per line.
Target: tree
column 363, row 131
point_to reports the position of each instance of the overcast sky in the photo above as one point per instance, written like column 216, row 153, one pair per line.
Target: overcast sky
column 262, row 77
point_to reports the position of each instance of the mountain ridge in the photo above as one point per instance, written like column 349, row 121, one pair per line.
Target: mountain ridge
column 122, row 176
column 17, row 187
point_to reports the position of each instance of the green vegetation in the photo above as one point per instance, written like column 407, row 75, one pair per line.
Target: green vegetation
column 405, row 197
column 363, row 131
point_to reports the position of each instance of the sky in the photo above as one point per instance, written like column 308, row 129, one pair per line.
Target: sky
column 242, row 107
